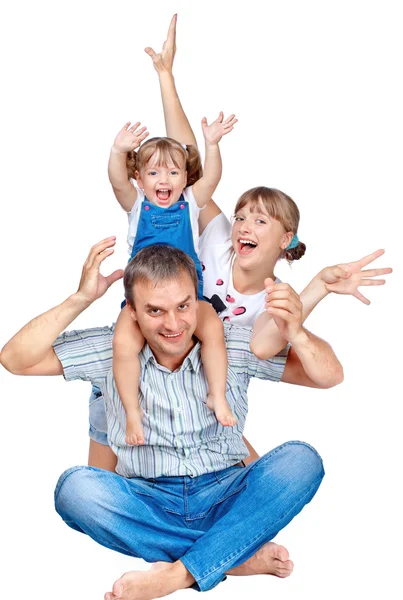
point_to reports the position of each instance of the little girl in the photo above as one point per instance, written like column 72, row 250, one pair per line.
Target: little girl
column 164, row 209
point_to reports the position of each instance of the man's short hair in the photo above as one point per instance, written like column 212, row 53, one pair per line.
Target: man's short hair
column 155, row 264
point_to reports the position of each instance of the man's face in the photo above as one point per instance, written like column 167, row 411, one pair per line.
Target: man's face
column 166, row 315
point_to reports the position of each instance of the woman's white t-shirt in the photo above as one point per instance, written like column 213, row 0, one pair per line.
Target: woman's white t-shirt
column 217, row 257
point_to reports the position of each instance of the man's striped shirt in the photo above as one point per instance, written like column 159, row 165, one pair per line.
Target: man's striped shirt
column 182, row 436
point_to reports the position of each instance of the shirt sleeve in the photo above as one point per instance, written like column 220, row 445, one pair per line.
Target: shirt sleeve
column 189, row 197
column 217, row 232
column 133, row 217
column 242, row 359
column 85, row 354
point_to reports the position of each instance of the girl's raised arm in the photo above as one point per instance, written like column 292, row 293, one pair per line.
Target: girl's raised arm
column 176, row 122
column 128, row 139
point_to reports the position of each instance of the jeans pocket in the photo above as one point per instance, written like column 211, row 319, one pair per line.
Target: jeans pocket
column 165, row 221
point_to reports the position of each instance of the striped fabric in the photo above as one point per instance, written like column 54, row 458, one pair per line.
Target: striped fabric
column 182, row 436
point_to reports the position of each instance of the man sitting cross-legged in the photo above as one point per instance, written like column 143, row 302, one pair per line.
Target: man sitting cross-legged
column 181, row 500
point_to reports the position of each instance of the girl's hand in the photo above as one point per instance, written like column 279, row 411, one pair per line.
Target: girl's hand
column 164, row 60
column 348, row 277
column 214, row 132
column 129, row 138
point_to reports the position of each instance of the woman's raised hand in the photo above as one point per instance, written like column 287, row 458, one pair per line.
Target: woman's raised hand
column 218, row 128
column 164, row 60
column 347, row 278
column 130, row 137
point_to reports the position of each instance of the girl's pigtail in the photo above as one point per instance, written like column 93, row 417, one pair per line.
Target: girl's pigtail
column 193, row 164
column 131, row 164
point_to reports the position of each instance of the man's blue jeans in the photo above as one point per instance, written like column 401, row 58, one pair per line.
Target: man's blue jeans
column 212, row 523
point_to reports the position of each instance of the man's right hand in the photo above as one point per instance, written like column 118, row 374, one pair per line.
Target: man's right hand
column 164, row 60
column 93, row 285
column 284, row 305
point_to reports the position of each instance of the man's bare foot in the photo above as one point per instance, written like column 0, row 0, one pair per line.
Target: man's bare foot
column 134, row 427
column 161, row 580
column 222, row 411
column 270, row 559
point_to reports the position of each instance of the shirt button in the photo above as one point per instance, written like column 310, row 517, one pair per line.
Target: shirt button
column 146, row 208
column 182, row 206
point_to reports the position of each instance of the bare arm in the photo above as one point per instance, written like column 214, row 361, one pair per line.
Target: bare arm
column 176, row 122
column 205, row 187
column 30, row 351
column 311, row 361
column 341, row 279
column 207, row 214
column 129, row 138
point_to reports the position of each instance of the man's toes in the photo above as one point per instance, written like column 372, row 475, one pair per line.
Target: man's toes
column 282, row 553
column 117, row 589
column 285, row 568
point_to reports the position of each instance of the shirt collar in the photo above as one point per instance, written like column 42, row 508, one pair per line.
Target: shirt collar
column 192, row 360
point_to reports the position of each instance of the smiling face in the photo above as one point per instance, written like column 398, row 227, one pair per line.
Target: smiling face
column 162, row 182
column 257, row 238
column 167, row 316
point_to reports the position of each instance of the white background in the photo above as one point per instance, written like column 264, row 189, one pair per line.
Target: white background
column 317, row 90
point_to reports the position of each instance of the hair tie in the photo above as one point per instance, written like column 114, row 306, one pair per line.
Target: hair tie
column 294, row 242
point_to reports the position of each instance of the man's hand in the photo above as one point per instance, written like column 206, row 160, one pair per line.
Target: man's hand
column 347, row 278
column 129, row 138
column 284, row 305
column 218, row 128
column 164, row 60
column 93, row 285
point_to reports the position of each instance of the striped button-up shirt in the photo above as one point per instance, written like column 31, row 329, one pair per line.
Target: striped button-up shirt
column 182, row 436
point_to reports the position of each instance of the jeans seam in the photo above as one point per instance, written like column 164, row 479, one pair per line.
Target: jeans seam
column 202, row 515
column 261, row 534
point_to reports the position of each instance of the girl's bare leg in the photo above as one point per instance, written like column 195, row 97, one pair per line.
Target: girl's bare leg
column 209, row 330
column 127, row 343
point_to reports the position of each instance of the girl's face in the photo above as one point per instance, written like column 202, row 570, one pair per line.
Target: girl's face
column 257, row 238
column 162, row 185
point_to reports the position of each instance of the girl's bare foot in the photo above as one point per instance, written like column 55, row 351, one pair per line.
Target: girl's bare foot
column 270, row 559
column 134, row 427
column 222, row 411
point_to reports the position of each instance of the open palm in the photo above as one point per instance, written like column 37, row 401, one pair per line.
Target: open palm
column 215, row 131
column 130, row 137
column 347, row 278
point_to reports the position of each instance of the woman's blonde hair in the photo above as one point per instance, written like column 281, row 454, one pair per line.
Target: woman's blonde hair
column 166, row 150
column 279, row 206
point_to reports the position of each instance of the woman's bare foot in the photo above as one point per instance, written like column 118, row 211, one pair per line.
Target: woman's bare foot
column 222, row 411
column 161, row 580
column 270, row 559
column 134, row 427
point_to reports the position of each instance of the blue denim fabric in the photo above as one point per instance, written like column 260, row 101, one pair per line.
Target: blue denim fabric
column 170, row 226
column 212, row 523
column 97, row 417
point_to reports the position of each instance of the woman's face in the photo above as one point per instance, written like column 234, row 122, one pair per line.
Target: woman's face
column 257, row 238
